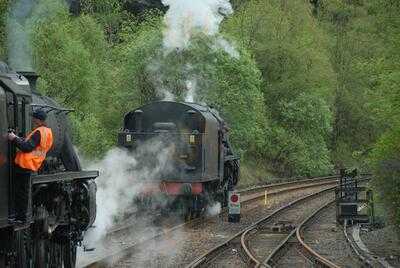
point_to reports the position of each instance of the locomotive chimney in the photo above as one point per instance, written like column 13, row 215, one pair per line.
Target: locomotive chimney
column 138, row 120
column 32, row 78
column 192, row 122
column 74, row 7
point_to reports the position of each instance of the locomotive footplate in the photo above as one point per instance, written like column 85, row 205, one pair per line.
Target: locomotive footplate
column 64, row 176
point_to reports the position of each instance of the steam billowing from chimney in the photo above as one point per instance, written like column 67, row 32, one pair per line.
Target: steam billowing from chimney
column 183, row 20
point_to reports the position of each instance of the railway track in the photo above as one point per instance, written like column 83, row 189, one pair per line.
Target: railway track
column 127, row 244
column 282, row 219
column 317, row 242
column 302, row 252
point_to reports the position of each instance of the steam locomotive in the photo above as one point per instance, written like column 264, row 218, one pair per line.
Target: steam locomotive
column 201, row 166
column 63, row 196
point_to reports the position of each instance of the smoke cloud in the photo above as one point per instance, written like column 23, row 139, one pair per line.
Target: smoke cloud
column 19, row 43
column 184, row 20
column 22, row 19
column 214, row 209
column 191, row 90
column 122, row 177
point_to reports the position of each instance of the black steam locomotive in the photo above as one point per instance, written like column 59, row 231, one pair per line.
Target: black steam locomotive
column 63, row 196
column 201, row 166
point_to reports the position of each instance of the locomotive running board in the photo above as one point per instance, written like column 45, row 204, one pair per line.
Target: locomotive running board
column 64, row 176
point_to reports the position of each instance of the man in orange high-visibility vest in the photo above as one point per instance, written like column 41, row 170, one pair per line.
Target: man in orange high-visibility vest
column 30, row 157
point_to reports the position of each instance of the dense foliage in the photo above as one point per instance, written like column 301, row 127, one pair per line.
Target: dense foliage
column 298, row 86
column 316, row 85
column 3, row 33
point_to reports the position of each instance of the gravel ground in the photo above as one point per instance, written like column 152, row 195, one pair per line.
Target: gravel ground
column 183, row 246
column 384, row 243
column 293, row 258
column 235, row 260
column 142, row 228
column 327, row 239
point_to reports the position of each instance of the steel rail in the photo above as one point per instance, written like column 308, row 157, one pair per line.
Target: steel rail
column 320, row 260
column 290, row 189
column 268, row 262
column 214, row 252
column 366, row 261
column 292, row 181
column 289, row 182
column 365, row 256
column 283, row 243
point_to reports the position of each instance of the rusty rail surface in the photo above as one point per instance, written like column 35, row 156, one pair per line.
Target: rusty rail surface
column 324, row 262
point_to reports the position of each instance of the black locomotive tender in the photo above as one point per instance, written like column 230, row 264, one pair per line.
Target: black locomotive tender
column 202, row 165
column 63, row 196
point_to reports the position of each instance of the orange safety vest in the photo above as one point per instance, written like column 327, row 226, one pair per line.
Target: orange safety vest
column 33, row 160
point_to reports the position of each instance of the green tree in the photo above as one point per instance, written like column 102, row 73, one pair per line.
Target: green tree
column 385, row 158
column 3, row 33
column 291, row 53
column 386, row 166
column 71, row 55
column 356, row 53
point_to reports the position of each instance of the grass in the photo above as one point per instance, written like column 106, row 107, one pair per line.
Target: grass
column 254, row 173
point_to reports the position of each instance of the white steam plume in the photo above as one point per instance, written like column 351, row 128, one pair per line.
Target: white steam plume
column 19, row 43
column 22, row 18
column 184, row 18
column 121, row 179
column 191, row 90
column 214, row 209
column 158, row 81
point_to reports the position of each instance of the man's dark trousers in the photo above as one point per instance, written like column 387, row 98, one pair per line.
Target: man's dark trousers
column 23, row 194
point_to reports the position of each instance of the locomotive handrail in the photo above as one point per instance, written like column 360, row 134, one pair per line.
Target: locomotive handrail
column 64, row 176
column 52, row 108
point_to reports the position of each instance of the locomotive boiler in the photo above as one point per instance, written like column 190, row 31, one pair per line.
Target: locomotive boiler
column 63, row 196
column 201, row 167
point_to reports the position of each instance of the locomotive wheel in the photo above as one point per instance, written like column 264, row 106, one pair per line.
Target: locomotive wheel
column 69, row 254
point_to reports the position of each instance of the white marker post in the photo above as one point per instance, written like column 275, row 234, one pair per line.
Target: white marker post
column 233, row 207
